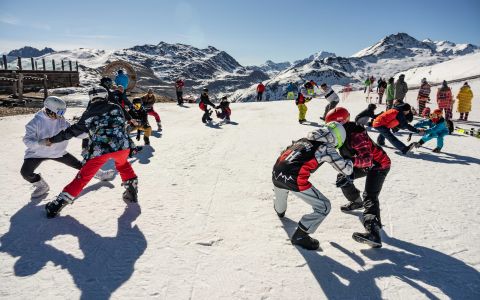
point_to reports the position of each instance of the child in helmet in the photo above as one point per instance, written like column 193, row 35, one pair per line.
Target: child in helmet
column 225, row 111
column 203, row 105
column 436, row 127
column 49, row 121
column 140, row 115
column 302, row 106
column 148, row 101
column 105, row 124
column 370, row 161
column 291, row 173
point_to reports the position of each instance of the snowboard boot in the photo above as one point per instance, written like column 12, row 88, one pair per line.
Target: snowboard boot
column 159, row 126
column 302, row 239
column 437, row 150
column 353, row 205
column 146, row 139
column 371, row 237
column 131, row 190
column 54, row 207
column 41, row 188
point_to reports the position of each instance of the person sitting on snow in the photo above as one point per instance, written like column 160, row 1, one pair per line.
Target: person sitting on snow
column 436, row 128
column 49, row 121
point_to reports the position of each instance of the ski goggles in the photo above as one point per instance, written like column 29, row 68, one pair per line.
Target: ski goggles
column 58, row 114
column 338, row 136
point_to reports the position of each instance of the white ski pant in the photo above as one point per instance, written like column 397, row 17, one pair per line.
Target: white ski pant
column 320, row 204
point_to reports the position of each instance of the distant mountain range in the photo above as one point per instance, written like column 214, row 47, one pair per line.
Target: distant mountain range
column 158, row 66
column 28, row 51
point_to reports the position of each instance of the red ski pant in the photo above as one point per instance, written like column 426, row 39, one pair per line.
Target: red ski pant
column 153, row 113
column 91, row 167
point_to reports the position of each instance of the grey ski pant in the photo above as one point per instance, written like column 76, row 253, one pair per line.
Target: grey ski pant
column 320, row 204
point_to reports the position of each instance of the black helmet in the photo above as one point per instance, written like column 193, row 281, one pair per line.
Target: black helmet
column 137, row 100
column 106, row 82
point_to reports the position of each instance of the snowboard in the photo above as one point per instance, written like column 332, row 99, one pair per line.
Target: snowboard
column 471, row 132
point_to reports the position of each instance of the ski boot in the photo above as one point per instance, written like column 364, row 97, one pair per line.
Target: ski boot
column 146, row 139
column 371, row 237
column 159, row 126
column 54, row 207
column 41, row 188
column 353, row 205
column 138, row 135
column 437, row 150
column 131, row 190
column 302, row 239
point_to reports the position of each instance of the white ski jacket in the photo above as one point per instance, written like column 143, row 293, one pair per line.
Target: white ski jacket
column 330, row 95
column 42, row 127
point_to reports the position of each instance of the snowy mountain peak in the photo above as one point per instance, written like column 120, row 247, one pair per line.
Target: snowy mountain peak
column 28, row 51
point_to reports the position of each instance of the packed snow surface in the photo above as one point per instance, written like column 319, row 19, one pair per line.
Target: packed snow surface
column 205, row 227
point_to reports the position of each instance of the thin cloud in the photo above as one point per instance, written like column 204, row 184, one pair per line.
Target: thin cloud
column 10, row 20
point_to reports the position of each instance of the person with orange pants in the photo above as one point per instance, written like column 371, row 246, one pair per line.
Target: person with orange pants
column 108, row 139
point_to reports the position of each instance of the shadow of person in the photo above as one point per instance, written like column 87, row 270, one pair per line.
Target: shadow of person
column 447, row 158
column 108, row 262
column 157, row 134
column 308, row 123
column 213, row 125
column 398, row 259
column 143, row 157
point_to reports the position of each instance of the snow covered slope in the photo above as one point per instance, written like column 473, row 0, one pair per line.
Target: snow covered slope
column 394, row 53
column 206, row 228
column 457, row 68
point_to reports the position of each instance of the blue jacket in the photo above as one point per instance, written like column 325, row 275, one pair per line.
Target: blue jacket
column 122, row 79
column 290, row 88
column 439, row 129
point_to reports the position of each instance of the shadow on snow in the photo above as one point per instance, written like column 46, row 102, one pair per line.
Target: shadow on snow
column 403, row 260
column 108, row 261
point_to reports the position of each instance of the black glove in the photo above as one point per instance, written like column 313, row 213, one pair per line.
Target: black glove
column 344, row 180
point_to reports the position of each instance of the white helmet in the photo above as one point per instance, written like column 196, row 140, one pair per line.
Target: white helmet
column 55, row 106
column 97, row 93
column 338, row 132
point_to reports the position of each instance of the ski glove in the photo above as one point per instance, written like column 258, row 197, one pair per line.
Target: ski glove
column 344, row 180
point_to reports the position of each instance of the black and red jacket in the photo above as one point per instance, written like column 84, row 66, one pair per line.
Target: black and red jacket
column 360, row 148
column 294, row 166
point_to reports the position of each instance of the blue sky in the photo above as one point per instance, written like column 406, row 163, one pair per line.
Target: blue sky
column 250, row 31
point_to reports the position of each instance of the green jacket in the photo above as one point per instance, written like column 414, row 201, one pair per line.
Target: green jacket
column 390, row 92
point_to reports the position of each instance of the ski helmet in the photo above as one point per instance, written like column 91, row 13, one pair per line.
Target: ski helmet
column 338, row 114
column 97, row 93
column 137, row 103
column 338, row 132
column 55, row 107
column 106, row 82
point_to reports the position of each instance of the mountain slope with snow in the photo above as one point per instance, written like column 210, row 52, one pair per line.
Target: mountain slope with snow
column 394, row 53
column 205, row 227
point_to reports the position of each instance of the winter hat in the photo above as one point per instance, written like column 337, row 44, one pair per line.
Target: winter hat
column 424, row 80
column 405, row 107
column 120, row 71
column 372, row 107
column 150, row 91
column 205, row 90
column 401, row 76
column 391, row 80
column 465, row 84
column 444, row 83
